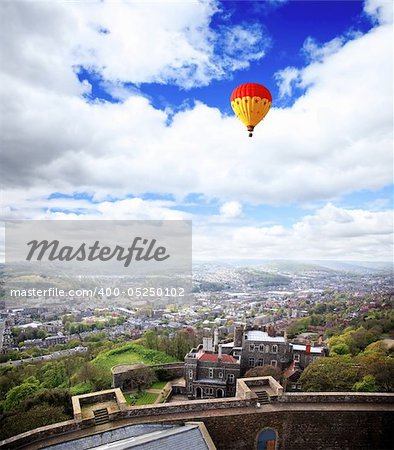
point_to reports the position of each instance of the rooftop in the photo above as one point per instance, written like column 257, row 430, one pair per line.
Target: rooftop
column 191, row 435
column 213, row 357
column 302, row 348
column 257, row 335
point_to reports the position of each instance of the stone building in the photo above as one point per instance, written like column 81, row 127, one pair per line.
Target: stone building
column 256, row 347
column 211, row 369
column 209, row 373
column 263, row 348
column 303, row 355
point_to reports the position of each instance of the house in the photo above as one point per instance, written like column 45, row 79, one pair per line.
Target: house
column 212, row 369
column 209, row 373
column 303, row 355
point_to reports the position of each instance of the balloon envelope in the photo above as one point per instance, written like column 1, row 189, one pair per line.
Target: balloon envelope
column 251, row 103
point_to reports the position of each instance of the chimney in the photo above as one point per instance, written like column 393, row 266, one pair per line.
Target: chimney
column 215, row 340
column 238, row 333
column 308, row 348
column 219, row 352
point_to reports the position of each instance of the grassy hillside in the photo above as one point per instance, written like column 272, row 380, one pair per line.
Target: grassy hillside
column 131, row 354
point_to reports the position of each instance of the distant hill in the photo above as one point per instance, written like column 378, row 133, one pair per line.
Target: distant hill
column 299, row 266
column 218, row 278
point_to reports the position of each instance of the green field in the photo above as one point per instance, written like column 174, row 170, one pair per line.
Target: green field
column 144, row 398
column 158, row 385
column 130, row 354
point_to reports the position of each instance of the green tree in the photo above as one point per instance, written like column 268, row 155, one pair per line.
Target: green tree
column 151, row 340
column 54, row 375
column 41, row 334
column 380, row 367
column 97, row 377
column 340, row 349
column 367, row 384
column 18, row 394
column 298, row 327
column 337, row 373
column 38, row 416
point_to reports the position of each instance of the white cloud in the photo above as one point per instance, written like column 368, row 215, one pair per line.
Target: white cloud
column 286, row 80
column 316, row 52
column 328, row 233
column 380, row 10
column 231, row 210
column 335, row 139
column 35, row 205
column 44, row 43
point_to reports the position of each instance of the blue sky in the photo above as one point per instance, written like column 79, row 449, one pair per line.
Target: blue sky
column 285, row 25
column 122, row 111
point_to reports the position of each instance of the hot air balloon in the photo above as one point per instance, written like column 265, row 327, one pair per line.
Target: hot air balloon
column 251, row 103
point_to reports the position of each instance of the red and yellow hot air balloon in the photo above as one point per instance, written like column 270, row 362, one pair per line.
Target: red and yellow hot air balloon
column 251, row 103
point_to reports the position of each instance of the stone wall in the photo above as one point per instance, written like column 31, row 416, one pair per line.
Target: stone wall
column 194, row 406
column 306, row 421
column 337, row 397
column 305, row 430
column 175, row 370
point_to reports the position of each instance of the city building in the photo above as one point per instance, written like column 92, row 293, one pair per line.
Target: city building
column 210, row 373
column 212, row 369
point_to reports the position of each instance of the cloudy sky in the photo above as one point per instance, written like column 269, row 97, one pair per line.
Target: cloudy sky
column 120, row 110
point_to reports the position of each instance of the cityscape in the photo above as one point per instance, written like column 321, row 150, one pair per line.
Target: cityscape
column 272, row 322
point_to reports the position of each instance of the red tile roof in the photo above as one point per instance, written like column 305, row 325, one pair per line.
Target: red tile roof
column 213, row 357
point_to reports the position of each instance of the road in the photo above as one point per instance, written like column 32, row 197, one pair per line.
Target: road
column 55, row 355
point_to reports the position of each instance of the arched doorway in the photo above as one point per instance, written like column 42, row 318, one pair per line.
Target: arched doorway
column 266, row 439
column 220, row 393
column 199, row 392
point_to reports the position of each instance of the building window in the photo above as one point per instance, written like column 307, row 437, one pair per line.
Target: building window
column 262, row 347
column 190, row 388
column 209, row 391
column 251, row 347
column 274, row 349
column 220, row 374
column 210, row 373
column 251, row 362
column 230, row 378
column 260, row 362
column 297, row 358
column 274, row 363
column 190, row 374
